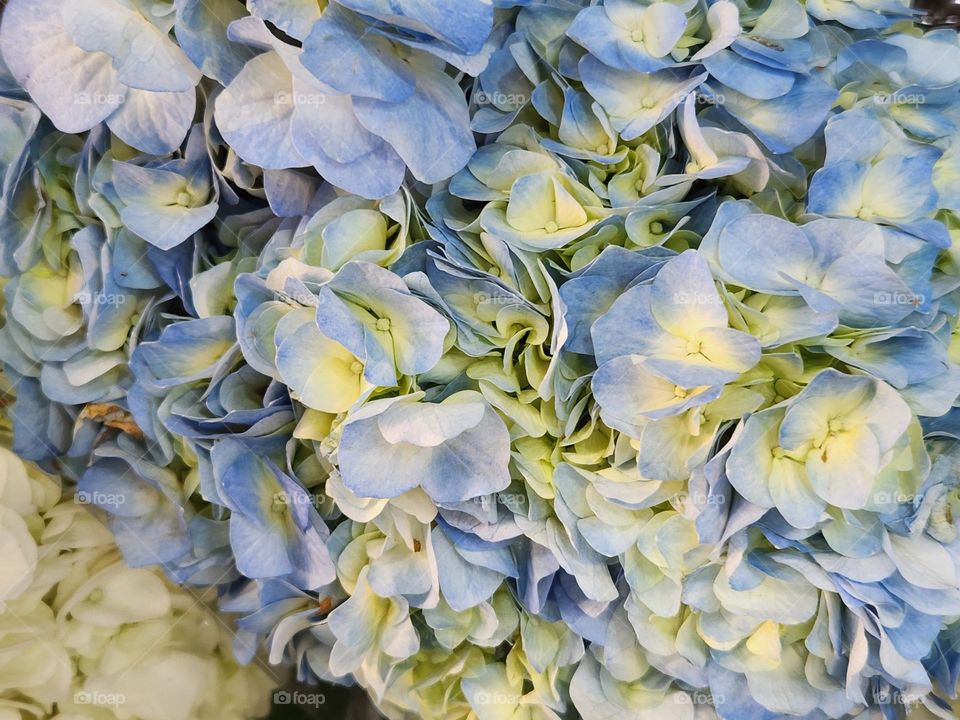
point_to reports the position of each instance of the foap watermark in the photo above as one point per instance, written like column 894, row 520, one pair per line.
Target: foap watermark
column 709, row 99
column 699, row 98
column 482, row 97
column 497, row 698
column 699, row 499
column 296, row 697
column 898, row 298
column 100, row 499
column 89, row 98
column 283, row 499
column 900, row 98
column 299, row 98
column 87, row 298
column 696, row 298
column 101, row 699
column 894, row 696
column 509, row 499
column 698, row 697
column 481, row 298
column 302, row 296
column 885, row 497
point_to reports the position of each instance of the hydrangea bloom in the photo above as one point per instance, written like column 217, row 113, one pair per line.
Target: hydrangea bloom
column 93, row 637
column 555, row 359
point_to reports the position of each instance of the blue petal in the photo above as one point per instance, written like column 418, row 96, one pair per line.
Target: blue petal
column 187, row 350
column 202, row 33
column 590, row 293
column 762, row 252
column 341, row 53
column 837, row 189
column 154, row 122
column 329, row 136
column 463, row 583
column 430, row 130
column 787, row 121
column 62, row 79
column 144, row 56
column 463, row 26
column 750, row 78
column 253, row 117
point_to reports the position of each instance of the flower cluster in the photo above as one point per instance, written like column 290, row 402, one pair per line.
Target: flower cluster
column 84, row 636
column 511, row 359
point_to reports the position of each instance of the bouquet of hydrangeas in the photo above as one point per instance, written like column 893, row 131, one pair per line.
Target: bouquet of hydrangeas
column 511, row 359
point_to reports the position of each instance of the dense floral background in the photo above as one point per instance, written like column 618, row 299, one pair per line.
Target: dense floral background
column 487, row 359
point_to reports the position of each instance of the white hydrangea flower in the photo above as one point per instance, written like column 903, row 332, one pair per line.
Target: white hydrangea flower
column 84, row 637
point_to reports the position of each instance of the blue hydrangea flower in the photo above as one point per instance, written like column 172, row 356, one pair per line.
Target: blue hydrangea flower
column 874, row 172
column 456, row 449
column 827, row 446
column 356, row 132
column 275, row 530
column 679, row 324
